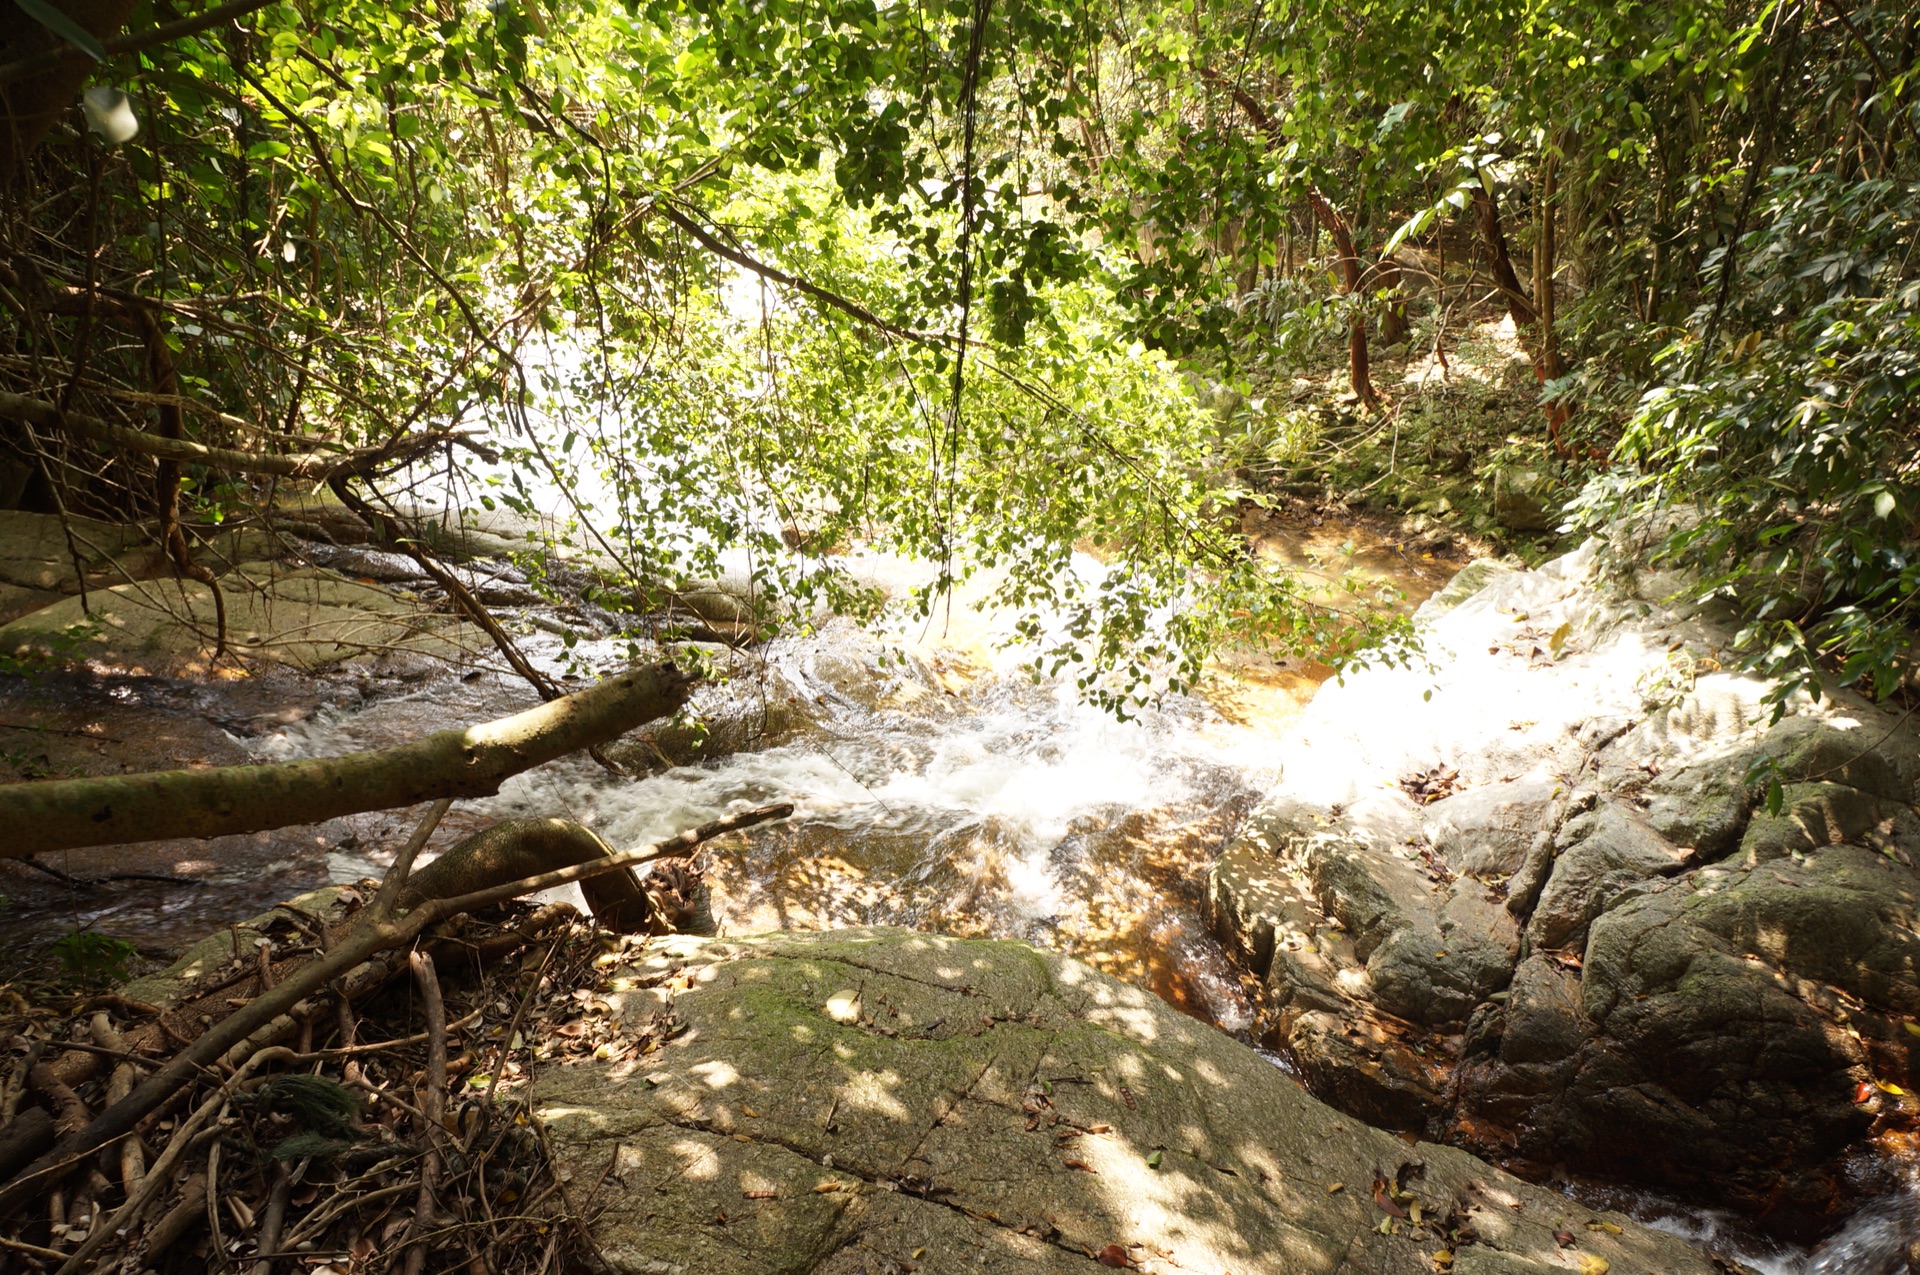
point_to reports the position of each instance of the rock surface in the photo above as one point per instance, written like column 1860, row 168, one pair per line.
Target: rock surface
column 83, row 590
column 885, row 1100
column 1530, row 898
column 304, row 617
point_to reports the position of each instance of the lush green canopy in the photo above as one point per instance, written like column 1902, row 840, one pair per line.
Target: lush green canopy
column 735, row 276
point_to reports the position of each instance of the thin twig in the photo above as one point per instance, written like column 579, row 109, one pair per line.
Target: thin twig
column 433, row 1103
column 247, row 1029
column 519, row 1014
column 396, row 878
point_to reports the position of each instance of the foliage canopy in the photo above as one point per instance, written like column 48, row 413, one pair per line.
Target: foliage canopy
column 945, row 277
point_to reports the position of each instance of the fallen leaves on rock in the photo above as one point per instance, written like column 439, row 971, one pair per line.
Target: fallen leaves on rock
column 1429, row 786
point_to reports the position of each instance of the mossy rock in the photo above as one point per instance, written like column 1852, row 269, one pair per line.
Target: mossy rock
column 886, row 1099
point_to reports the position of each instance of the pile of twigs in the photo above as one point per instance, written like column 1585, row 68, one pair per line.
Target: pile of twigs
column 346, row 1095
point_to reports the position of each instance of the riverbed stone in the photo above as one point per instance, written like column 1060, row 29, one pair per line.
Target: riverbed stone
column 1703, row 986
column 1486, row 831
column 303, row 617
column 865, row 1100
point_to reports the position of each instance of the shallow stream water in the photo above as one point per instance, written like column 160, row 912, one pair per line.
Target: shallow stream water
column 937, row 787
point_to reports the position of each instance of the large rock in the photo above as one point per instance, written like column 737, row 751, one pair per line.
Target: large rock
column 1601, row 853
column 890, row 1101
column 1530, row 896
column 303, row 617
column 1720, row 1029
column 37, row 553
column 1486, row 831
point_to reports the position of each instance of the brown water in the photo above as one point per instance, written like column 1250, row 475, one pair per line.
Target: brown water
column 938, row 787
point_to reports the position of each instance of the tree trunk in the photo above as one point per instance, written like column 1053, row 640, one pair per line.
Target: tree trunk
column 1544, row 264
column 1357, row 369
column 64, row 814
column 1394, row 328
column 1526, row 318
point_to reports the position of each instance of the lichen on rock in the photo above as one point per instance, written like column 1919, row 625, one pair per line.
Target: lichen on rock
column 837, row 1102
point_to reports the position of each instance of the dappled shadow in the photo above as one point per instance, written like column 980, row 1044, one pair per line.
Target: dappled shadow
column 968, row 1106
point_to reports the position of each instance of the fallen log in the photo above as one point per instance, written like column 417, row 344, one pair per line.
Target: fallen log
column 65, row 814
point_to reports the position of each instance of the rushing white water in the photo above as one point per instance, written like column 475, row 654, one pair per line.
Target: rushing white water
column 932, row 790
column 1876, row 1240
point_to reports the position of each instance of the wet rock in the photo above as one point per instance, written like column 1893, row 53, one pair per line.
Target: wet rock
column 1707, row 985
column 1485, row 831
column 378, row 565
column 1603, row 853
column 829, row 1101
column 1252, row 897
column 1363, row 1070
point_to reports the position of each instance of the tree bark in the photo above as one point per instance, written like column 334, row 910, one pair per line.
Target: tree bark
column 1358, row 372
column 318, row 466
column 1394, row 328
column 65, row 814
column 1541, row 351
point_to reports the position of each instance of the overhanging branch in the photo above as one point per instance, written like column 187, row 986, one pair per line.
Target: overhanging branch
column 316, row 466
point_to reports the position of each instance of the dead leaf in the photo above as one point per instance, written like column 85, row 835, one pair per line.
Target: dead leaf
column 1115, row 1256
column 1593, row 1264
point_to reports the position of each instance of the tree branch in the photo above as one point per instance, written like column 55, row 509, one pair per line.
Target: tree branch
column 317, row 466
column 61, row 814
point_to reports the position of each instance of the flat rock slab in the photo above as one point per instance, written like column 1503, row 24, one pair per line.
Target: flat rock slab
column 883, row 1100
column 301, row 617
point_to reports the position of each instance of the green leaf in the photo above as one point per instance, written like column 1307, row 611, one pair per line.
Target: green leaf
column 63, row 26
column 1153, row 1160
column 1883, row 505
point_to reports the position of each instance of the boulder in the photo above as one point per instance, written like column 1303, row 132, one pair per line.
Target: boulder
column 886, row 1100
column 1703, row 987
column 1526, row 500
column 36, row 553
column 1485, row 831
column 1600, row 854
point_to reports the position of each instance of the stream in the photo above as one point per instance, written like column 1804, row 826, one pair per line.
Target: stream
column 938, row 786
